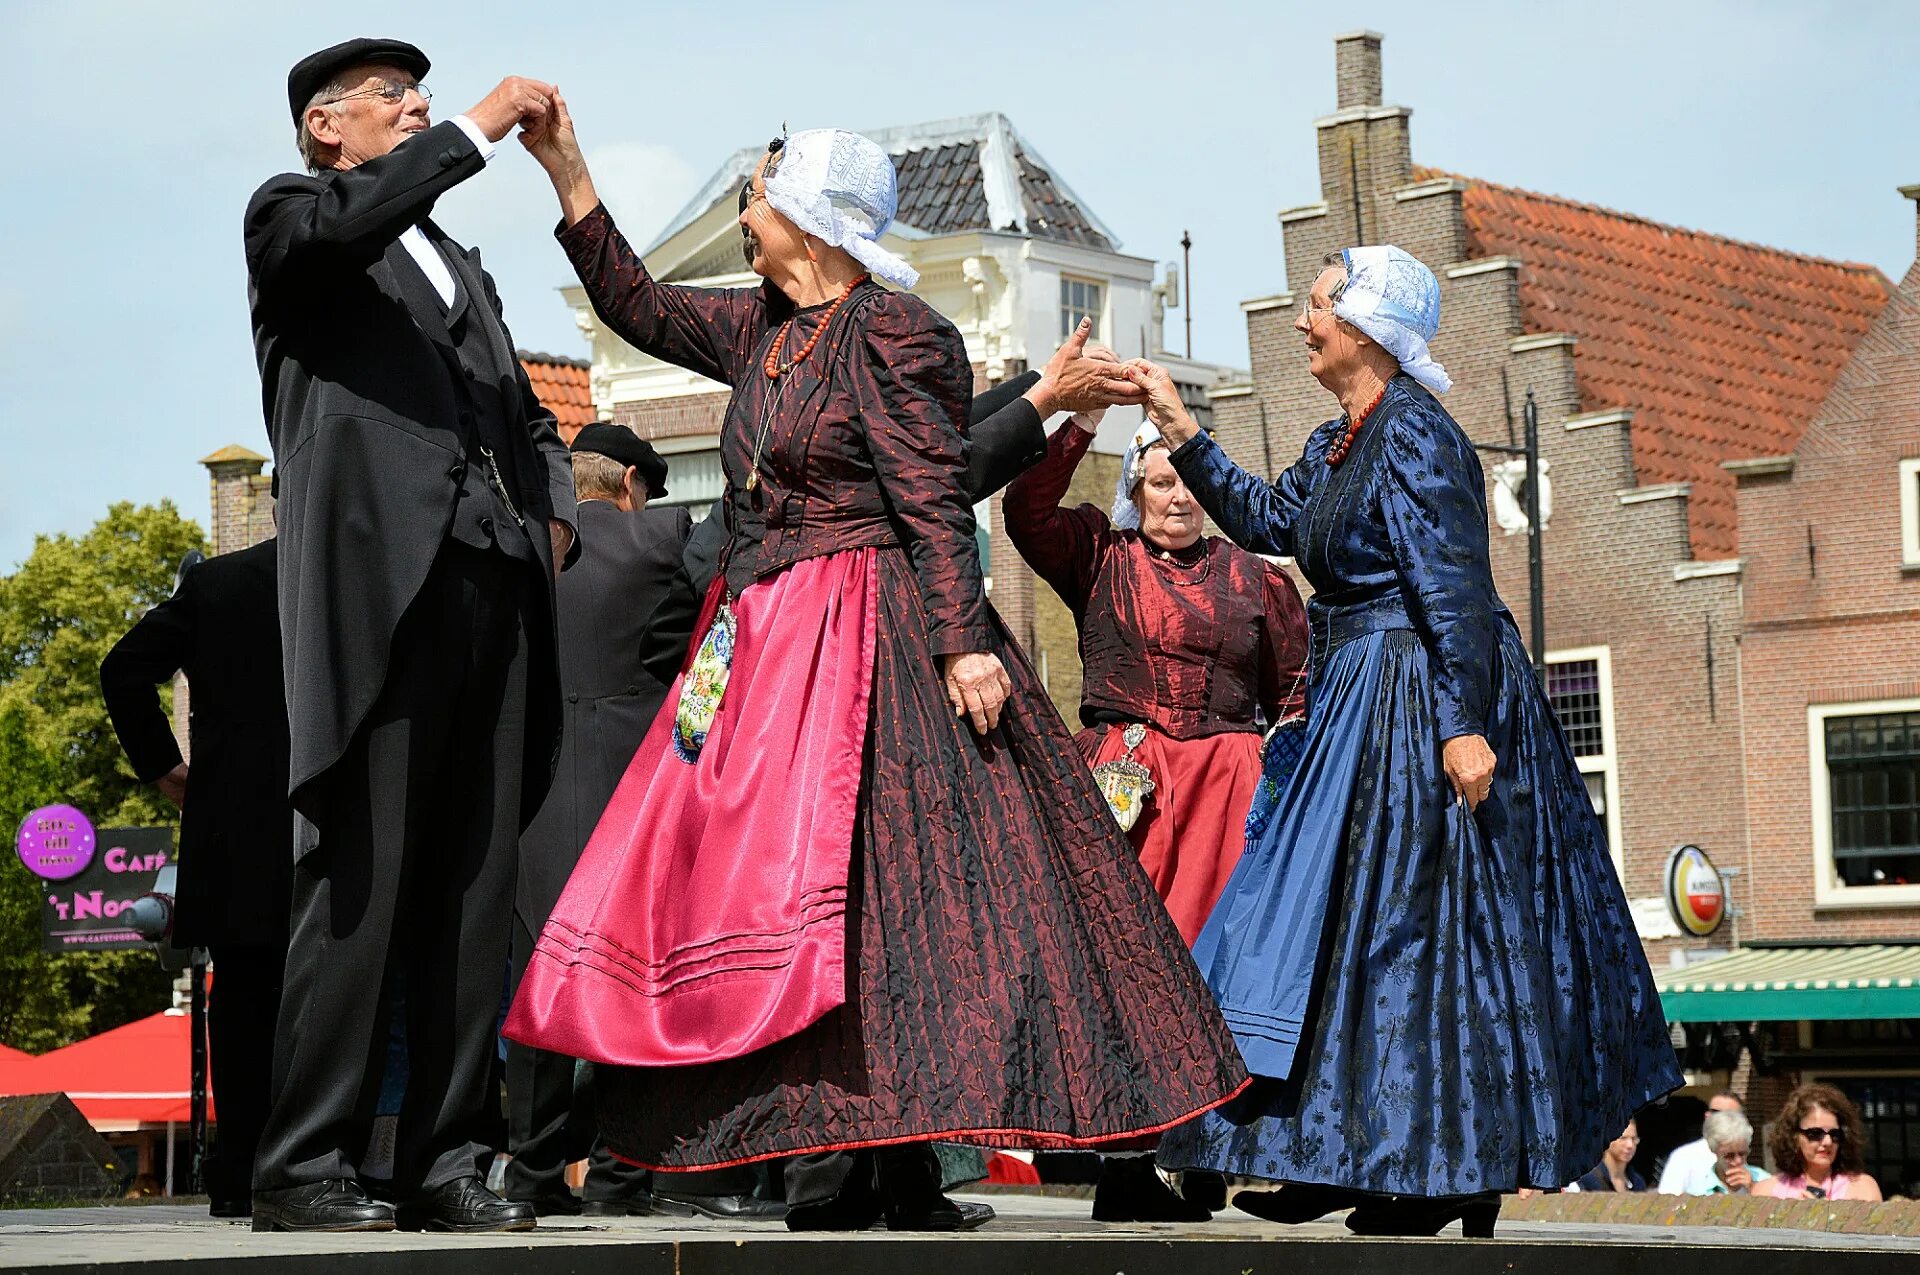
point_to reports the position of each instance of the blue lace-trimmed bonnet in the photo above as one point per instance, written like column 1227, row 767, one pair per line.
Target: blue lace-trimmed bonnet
column 1393, row 298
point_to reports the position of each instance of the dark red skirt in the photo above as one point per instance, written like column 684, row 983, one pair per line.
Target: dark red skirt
column 1194, row 826
column 1012, row 977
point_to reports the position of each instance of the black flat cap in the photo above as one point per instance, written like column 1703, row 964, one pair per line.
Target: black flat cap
column 621, row 445
column 312, row 72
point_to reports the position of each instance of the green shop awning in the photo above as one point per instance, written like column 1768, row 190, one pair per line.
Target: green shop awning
column 1759, row 984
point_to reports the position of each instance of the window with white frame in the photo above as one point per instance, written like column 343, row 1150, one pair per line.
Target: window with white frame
column 694, row 479
column 1080, row 299
column 1910, row 512
column 1866, row 795
column 1580, row 688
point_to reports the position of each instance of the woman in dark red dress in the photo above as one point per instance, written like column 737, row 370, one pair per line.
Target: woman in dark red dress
column 840, row 901
column 1187, row 643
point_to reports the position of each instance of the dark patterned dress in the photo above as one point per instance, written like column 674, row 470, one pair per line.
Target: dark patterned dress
column 1194, row 646
column 1439, row 1002
column 1009, row 976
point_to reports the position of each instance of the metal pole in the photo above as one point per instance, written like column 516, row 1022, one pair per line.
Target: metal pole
column 1536, row 572
column 197, row 1047
column 1186, row 285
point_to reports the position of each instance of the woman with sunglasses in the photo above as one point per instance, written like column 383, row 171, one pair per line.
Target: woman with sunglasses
column 1816, row 1145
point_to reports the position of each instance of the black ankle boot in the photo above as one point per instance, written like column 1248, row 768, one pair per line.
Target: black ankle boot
column 1130, row 1191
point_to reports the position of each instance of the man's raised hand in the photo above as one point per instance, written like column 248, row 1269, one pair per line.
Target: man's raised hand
column 515, row 100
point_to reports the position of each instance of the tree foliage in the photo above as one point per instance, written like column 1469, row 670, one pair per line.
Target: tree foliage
column 60, row 614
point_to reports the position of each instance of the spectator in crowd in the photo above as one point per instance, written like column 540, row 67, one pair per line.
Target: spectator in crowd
column 1693, row 1161
column 1729, row 1135
column 1817, row 1144
column 1615, row 1171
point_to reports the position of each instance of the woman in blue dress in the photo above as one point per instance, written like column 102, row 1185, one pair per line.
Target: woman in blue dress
column 1425, row 955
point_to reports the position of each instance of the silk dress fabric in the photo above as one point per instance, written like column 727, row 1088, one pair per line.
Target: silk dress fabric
column 1438, row 1002
column 1190, row 645
column 1010, row 976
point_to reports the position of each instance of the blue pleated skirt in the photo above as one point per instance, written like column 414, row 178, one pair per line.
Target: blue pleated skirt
column 1439, row 1002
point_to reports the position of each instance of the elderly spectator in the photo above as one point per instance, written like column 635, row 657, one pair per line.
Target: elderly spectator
column 1816, row 1145
column 1729, row 1135
column 1691, row 1162
column 1615, row 1171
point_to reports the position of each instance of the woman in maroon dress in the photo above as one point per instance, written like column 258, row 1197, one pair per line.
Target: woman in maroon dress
column 841, row 901
column 1187, row 643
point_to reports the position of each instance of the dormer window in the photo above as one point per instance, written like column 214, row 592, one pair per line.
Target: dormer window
column 1080, row 299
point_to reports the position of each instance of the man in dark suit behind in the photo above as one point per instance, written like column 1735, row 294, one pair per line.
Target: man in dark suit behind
column 222, row 628
column 425, row 506
column 626, row 610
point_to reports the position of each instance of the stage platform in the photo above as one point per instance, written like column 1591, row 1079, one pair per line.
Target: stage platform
column 1035, row 1235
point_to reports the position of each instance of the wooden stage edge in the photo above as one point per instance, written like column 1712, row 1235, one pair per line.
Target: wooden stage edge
column 1035, row 1235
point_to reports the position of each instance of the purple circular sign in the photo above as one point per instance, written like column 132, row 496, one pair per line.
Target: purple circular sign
column 56, row 842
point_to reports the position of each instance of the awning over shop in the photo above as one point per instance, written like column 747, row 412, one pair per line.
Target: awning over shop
column 1762, row 984
column 135, row 1074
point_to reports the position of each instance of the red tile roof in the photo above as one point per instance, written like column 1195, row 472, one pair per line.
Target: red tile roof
column 1723, row 350
column 562, row 387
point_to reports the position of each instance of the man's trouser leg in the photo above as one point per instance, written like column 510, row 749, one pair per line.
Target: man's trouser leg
column 415, row 863
column 242, row 1006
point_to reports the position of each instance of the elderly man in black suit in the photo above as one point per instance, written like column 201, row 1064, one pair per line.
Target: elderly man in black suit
column 425, row 507
column 222, row 628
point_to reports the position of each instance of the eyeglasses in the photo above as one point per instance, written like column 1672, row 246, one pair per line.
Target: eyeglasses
column 389, row 92
column 1817, row 1135
column 1309, row 310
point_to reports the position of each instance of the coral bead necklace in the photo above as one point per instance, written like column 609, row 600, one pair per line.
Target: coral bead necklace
column 1344, row 444
column 775, row 369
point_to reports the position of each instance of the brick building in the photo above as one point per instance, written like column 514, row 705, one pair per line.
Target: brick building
column 1703, row 403
column 1005, row 250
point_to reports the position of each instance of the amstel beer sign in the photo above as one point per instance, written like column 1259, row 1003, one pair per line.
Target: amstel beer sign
column 1696, row 895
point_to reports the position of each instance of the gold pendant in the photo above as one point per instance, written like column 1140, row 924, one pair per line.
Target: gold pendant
column 753, row 479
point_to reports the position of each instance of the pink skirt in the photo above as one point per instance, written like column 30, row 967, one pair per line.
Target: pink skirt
column 728, row 874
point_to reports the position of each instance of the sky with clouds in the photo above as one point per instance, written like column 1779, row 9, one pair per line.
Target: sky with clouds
column 138, row 129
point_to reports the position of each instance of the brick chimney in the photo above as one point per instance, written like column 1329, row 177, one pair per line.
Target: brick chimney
column 1913, row 192
column 1366, row 150
column 242, row 498
column 1356, row 62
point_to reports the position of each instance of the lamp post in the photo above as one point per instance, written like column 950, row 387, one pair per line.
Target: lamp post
column 1536, row 572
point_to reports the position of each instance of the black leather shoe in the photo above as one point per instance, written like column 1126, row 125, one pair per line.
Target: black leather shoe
column 1417, row 1215
column 1295, row 1202
column 721, row 1208
column 554, row 1204
column 1131, row 1191
column 936, row 1213
column 834, row 1215
column 464, row 1205
column 1205, row 1188
column 337, row 1204
column 632, row 1206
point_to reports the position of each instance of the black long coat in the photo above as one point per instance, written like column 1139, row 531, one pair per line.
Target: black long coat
column 371, row 389
column 222, row 627
column 626, row 612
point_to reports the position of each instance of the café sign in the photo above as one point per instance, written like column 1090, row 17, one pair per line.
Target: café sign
column 1696, row 895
